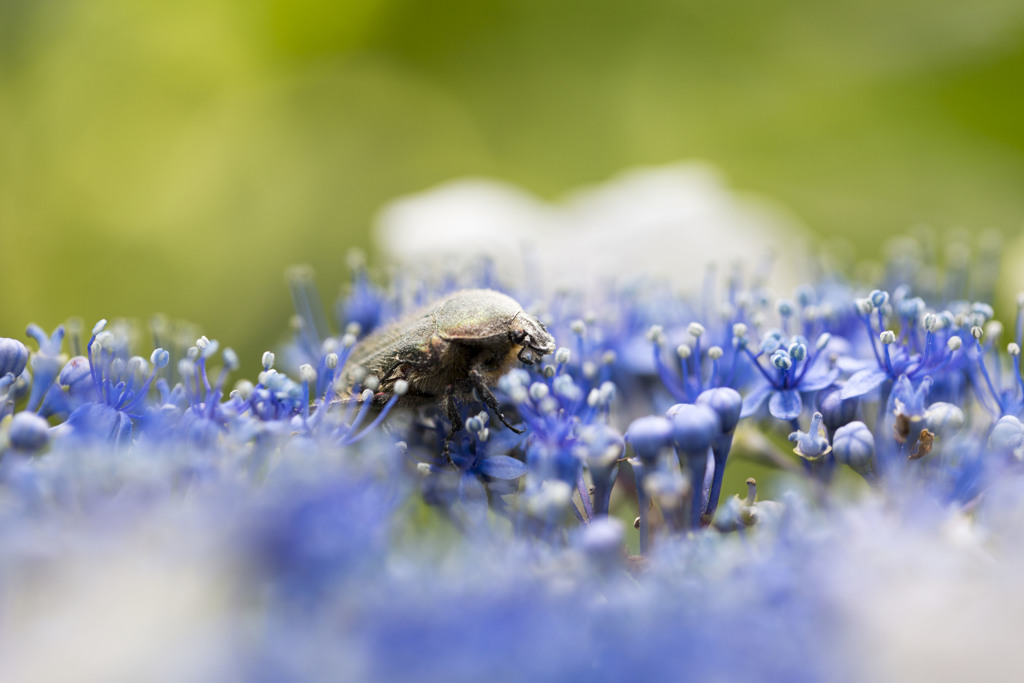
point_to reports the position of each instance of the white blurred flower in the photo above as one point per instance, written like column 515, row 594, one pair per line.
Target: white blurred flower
column 669, row 221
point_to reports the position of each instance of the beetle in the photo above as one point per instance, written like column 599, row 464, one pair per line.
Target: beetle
column 443, row 352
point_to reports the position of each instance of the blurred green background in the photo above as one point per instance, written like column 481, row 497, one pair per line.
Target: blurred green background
column 176, row 157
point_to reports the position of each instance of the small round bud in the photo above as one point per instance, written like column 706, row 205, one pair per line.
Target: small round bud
column 715, row 352
column 887, row 337
column 548, row 371
column 230, row 359
column 331, row 360
column 977, row 333
column 371, row 382
column 517, row 393
column 28, row 432
column 13, row 357
column 609, row 357
column 202, row 343
column 993, row 329
column 684, row 351
column 910, row 309
column 367, row 395
column 1007, row 436
column 268, row 360
column 656, row 334
column 726, row 402
column 552, row 498
column 211, row 348
column 693, row 427
column 739, row 330
column 564, row 387
column 474, row 424
column 243, row 389
column 601, row 541
column 99, row 327
column 354, row 328
column 358, row 373
column 137, row 366
column 878, row 298
column 348, row 341
column 307, row 373
column 562, row 355
column 400, row 387
column 954, row 343
column 191, row 354
column 823, row 340
column 784, row 307
column 930, row 322
column 781, row 360
column 835, row 410
column 864, row 306
column 695, row 330
column 771, row 341
column 944, row 419
column 578, row 327
column 1013, row 349
column 590, row 369
column 539, row 391
column 648, row 435
column 797, row 351
column 550, row 405
column 854, row 445
column 186, row 368
column 983, row 310
column 608, row 393
column 159, row 358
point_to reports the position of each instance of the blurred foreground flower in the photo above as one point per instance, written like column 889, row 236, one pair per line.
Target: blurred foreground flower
column 167, row 525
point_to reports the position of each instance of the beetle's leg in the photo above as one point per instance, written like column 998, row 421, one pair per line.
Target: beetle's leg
column 387, row 374
column 488, row 397
column 452, row 410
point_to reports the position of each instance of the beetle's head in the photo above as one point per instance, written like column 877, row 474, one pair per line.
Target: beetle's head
column 531, row 334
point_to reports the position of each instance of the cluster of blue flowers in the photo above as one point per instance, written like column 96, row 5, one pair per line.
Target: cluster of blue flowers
column 602, row 541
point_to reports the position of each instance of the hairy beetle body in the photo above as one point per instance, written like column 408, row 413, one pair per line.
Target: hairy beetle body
column 444, row 352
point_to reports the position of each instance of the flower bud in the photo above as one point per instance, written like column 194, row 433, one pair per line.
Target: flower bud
column 648, row 435
column 854, row 445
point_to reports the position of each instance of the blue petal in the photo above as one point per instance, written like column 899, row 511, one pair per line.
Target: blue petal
column 862, row 382
column 815, row 381
column 473, row 496
column 503, row 467
column 752, row 401
column 850, row 364
column 786, row 405
column 471, row 489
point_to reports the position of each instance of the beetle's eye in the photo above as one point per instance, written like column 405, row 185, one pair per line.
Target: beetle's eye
column 518, row 336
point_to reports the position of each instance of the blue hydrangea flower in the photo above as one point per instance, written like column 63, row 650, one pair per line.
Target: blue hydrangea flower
column 793, row 371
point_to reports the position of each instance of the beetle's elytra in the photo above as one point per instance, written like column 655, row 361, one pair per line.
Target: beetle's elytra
column 458, row 344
